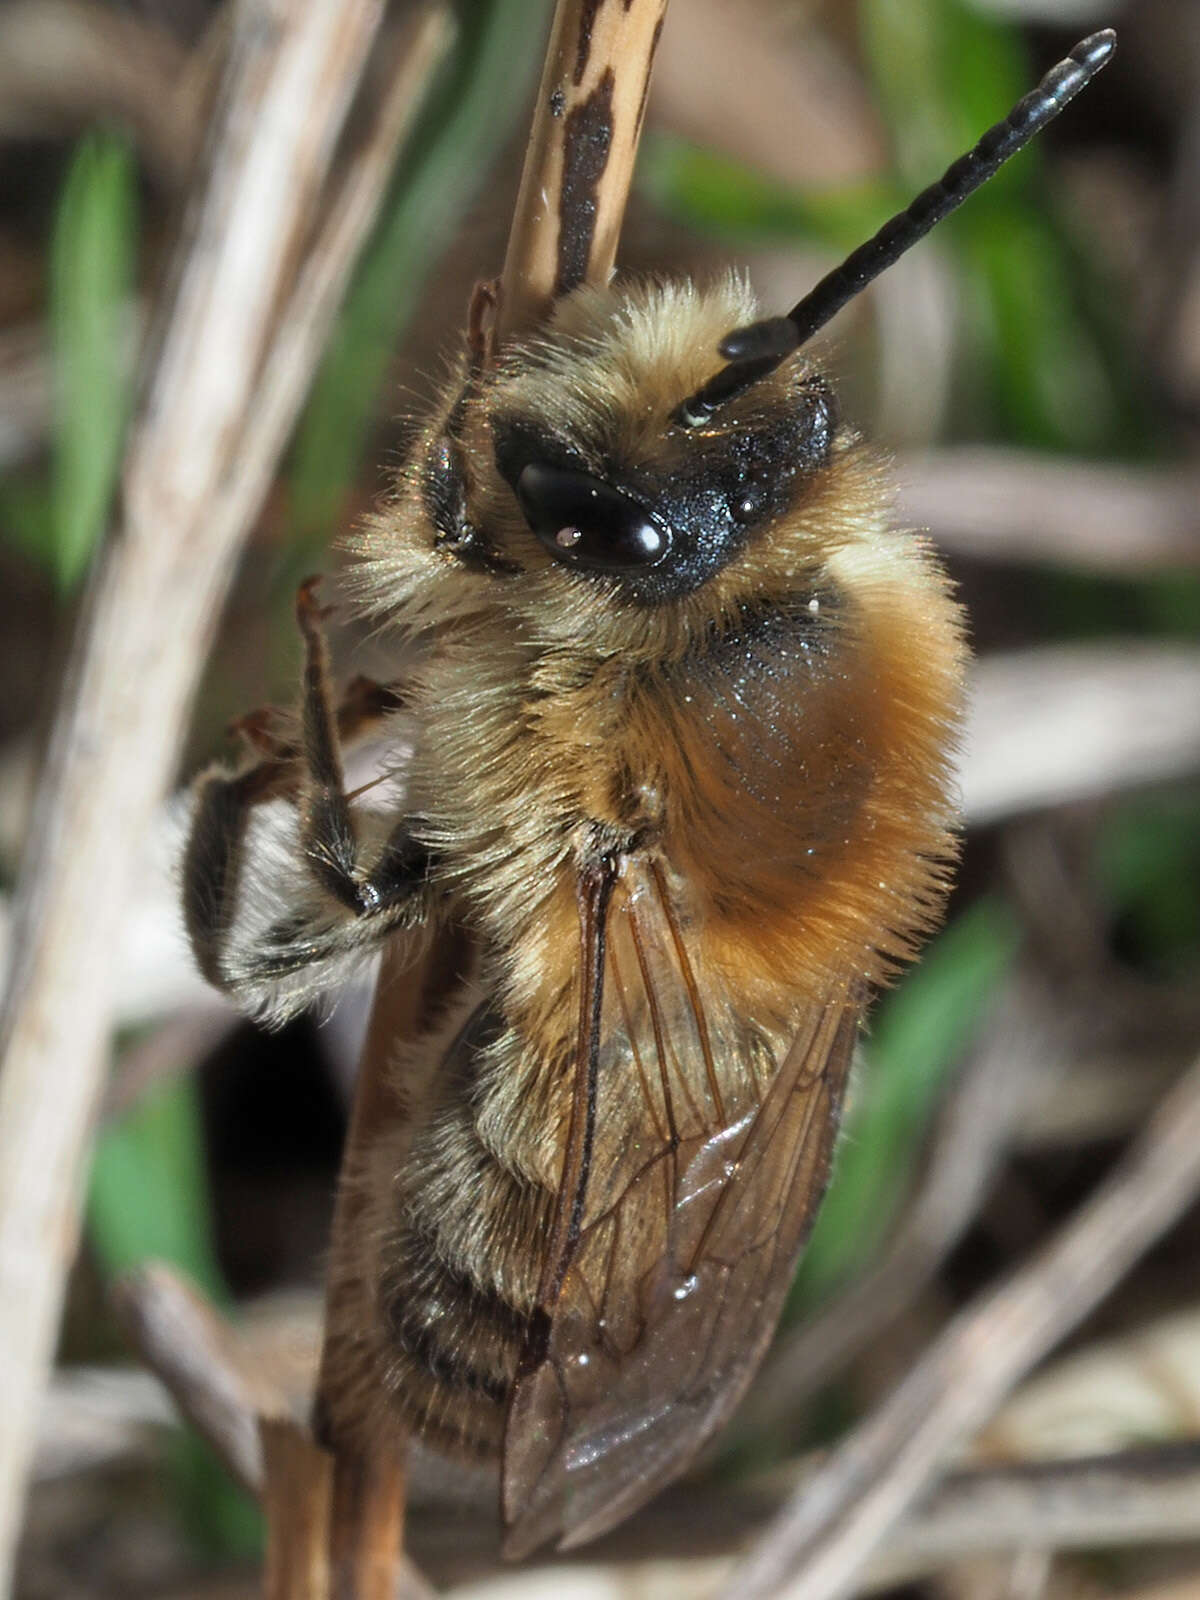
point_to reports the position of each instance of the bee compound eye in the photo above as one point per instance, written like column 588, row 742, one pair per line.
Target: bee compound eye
column 585, row 522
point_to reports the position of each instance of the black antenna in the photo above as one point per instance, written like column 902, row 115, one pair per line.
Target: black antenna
column 758, row 348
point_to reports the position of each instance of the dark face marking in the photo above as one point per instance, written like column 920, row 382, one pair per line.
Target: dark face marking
column 659, row 532
column 558, row 103
column 587, row 140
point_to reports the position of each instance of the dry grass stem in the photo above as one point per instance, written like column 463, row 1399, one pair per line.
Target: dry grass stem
column 1074, row 722
column 199, row 1359
column 825, row 1537
column 971, row 1139
column 1146, row 1496
column 1011, row 505
column 299, row 1499
column 216, row 409
column 682, row 1544
column 579, row 163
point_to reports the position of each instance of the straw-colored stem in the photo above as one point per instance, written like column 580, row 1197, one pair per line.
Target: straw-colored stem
column 579, row 163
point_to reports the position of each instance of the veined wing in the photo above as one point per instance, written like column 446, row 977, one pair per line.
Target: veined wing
column 698, row 1155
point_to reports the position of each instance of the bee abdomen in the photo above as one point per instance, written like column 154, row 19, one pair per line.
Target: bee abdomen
column 452, row 1349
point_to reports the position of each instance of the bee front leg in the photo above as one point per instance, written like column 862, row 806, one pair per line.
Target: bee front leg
column 328, row 837
column 351, row 891
column 374, row 888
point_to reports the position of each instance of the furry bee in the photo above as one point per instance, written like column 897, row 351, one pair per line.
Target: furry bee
column 678, row 795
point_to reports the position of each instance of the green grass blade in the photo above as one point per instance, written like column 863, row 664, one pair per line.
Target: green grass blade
column 470, row 110
column 92, row 264
column 721, row 198
column 943, row 74
column 918, row 1037
column 149, row 1189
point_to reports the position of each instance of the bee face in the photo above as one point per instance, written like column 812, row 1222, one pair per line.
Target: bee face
column 591, row 487
column 658, row 517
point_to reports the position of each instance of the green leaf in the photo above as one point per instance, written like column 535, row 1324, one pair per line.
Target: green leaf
column 149, row 1189
column 470, row 108
column 944, row 74
column 92, row 264
column 27, row 516
column 920, row 1034
column 720, row 197
column 1049, row 380
column 1148, row 864
column 149, row 1199
column 216, row 1513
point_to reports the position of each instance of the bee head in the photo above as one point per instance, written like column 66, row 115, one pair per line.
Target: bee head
column 608, row 465
column 608, row 484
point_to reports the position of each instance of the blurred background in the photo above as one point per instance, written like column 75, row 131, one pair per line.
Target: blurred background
column 1034, row 369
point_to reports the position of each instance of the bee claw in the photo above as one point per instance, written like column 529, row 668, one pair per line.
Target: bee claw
column 258, row 729
column 308, row 611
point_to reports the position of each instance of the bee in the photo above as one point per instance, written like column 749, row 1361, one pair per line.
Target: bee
column 677, row 760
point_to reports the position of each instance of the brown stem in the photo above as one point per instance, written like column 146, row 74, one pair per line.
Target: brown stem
column 576, row 180
column 579, row 162
column 367, row 1526
column 298, row 1504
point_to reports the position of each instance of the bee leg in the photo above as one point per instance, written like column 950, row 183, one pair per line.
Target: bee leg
column 444, row 489
column 212, row 863
column 327, row 834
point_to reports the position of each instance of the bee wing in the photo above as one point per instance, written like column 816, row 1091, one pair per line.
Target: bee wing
column 704, row 1187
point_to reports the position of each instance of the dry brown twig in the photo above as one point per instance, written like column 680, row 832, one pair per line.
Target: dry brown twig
column 201, row 1361
column 824, row 1538
column 579, row 164
column 971, row 1139
column 1126, row 1499
column 239, row 338
column 1072, row 722
column 1014, row 505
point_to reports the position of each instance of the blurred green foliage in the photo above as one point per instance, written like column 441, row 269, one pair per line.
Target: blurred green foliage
column 918, row 1037
column 470, row 108
column 57, row 517
column 92, row 270
column 149, row 1190
column 1148, row 868
column 148, row 1199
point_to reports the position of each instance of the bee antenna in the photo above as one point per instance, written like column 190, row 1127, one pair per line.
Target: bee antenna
column 757, row 349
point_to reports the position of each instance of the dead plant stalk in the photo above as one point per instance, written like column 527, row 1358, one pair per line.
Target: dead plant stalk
column 227, row 377
column 826, row 1536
